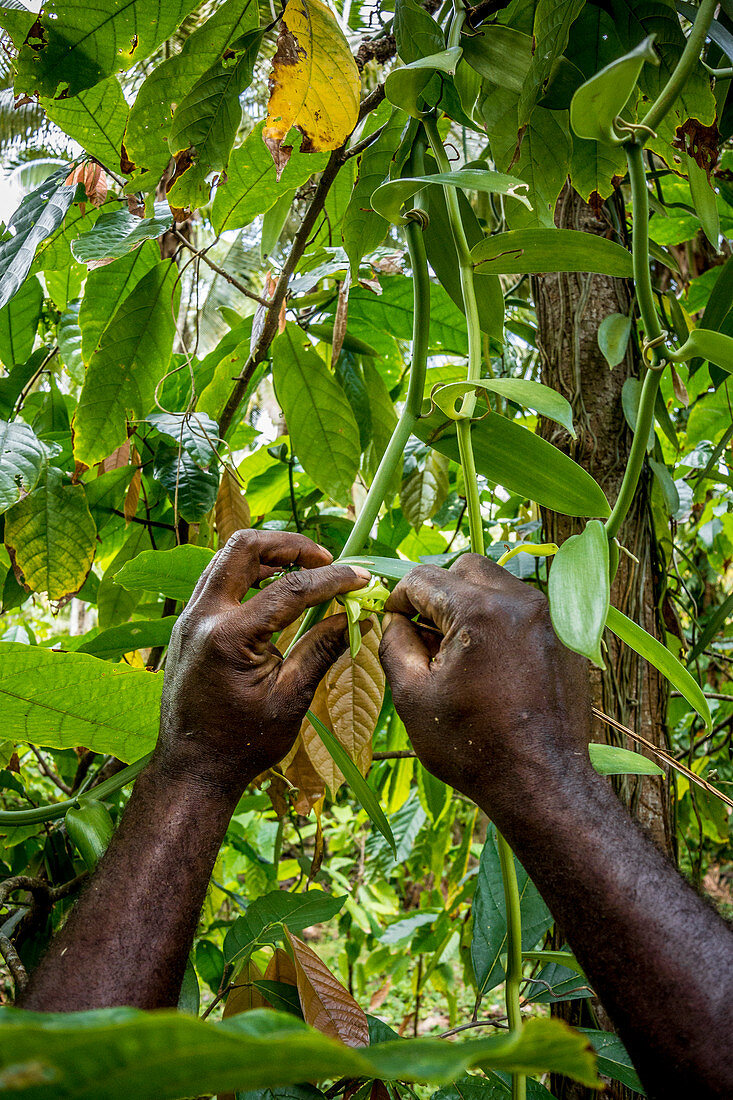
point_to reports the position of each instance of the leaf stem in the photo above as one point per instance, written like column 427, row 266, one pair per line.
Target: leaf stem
column 58, row 809
column 476, row 534
column 671, row 90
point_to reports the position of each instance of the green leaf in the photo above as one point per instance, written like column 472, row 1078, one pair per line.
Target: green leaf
column 534, row 251
column 53, row 536
column 404, row 86
column 393, row 569
column 382, row 319
column 252, row 187
column 205, row 125
column 489, row 940
column 38, row 216
column 424, row 489
column 579, row 591
column 171, row 573
column 543, row 165
column 22, row 458
column 713, row 346
column 613, row 1058
column 95, row 118
column 715, row 623
column 435, row 796
column 361, row 789
column 65, row 699
column 388, row 199
column 192, row 490
column 106, row 289
column 169, row 83
column 362, row 229
column 65, row 285
column 19, row 322
column 257, row 1049
column 613, row 337
column 111, row 644
column 601, row 99
column 492, row 1086
column 69, row 339
column 502, row 55
column 704, row 200
column 322, row 427
column 612, row 760
column 120, row 232
column 416, row 33
column 54, row 254
column 268, row 915
column 659, row 656
column 522, row 462
column 443, row 258
column 72, row 46
column 129, row 361
column 534, row 395
column 552, row 22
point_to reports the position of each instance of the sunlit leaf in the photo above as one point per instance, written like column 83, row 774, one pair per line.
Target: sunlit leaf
column 613, row 760
column 172, row 573
column 38, row 216
column 533, row 251
column 95, row 118
column 19, row 321
column 106, row 288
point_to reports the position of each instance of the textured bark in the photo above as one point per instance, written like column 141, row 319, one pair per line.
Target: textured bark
column 570, row 307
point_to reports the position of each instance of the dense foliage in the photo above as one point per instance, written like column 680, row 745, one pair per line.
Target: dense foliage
column 309, row 306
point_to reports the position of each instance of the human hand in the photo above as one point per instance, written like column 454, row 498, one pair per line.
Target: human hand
column 492, row 701
column 232, row 707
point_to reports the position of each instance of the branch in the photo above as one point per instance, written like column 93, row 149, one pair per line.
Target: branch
column 298, row 247
column 484, row 10
column 201, row 255
column 18, row 972
column 49, row 773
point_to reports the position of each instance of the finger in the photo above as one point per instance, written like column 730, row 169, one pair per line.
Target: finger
column 433, row 593
column 483, row 571
column 314, row 654
column 237, row 567
column 285, row 599
column 403, row 652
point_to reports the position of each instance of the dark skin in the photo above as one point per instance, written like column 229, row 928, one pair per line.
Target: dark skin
column 494, row 705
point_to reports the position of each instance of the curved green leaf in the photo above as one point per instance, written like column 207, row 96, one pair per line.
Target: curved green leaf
column 106, row 289
column 613, row 337
column 130, row 360
column 362, row 229
column 172, row 573
column 65, row 699
column 601, row 99
column 521, row 461
column 22, row 458
column 53, row 536
column 120, row 232
column 322, row 427
column 716, row 347
column 388, row 199
column 534, row 395
column 658, row 655
column 502, row 55
column 404, row 86
column 579, row 591
column 704, row 200
column 612, row 760
column 118, row 640
column 19, row 322
column 534, row 251
column 95, row 118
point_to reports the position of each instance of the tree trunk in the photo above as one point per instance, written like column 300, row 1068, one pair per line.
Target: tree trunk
column 570, row 307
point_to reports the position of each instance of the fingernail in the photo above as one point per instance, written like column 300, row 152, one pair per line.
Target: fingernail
column 360, row 572
column 386, row 620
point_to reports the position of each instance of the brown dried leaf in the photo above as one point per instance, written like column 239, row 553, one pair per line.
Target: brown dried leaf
column 327, row 1005
column 281, row 968
column 679, row 387
column 354, row 695
column 320, row 758
column 231, row 511
column 132, row 495
column 244, row 996
column 340, row 321
column 119, row 457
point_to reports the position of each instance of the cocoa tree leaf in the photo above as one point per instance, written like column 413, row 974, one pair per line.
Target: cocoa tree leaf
column 106, row 289
column 354, row 694
column 19, row 321
column 38, row 216
column 52, row 536
column 244, row 995
column 327, row 1005
column 172, row 573
column 95, row 118
column 130, row 360
column 119, row 232
column 231, row 511
column 314, row 84
column 22, row 458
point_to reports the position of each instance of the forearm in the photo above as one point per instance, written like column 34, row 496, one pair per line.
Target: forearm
column 658, row 956
column 127, row 940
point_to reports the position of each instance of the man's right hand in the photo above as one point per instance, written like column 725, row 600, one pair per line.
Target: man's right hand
column 491, row 699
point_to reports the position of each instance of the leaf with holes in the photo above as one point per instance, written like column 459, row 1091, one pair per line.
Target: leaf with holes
column 22, row 458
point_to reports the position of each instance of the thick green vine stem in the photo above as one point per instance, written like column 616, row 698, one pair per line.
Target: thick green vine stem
column 690, row 55
column 410, row 413
column 476, row 534
column 654, row 337
column 58, row 809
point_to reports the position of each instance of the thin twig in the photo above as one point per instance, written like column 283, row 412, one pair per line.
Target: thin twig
column 364, row 143
column 664, row 757
column 49, row 772
column 201, row 255
column 499, row 1021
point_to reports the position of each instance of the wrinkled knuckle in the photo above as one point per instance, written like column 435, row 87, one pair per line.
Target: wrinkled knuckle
column 243, row 537
column 296, row 584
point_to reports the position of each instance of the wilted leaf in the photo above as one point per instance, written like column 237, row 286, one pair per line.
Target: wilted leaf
column 231, row 511
column 354, row 694
column 314, row 84
column 327, row 1005
column 244, row 996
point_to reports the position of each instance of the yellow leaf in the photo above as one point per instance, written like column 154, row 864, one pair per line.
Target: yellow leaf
column 327, row 1005
column 314, row 83
column 231, row 510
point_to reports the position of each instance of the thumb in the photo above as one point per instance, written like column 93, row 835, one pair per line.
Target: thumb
column 311, row 658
